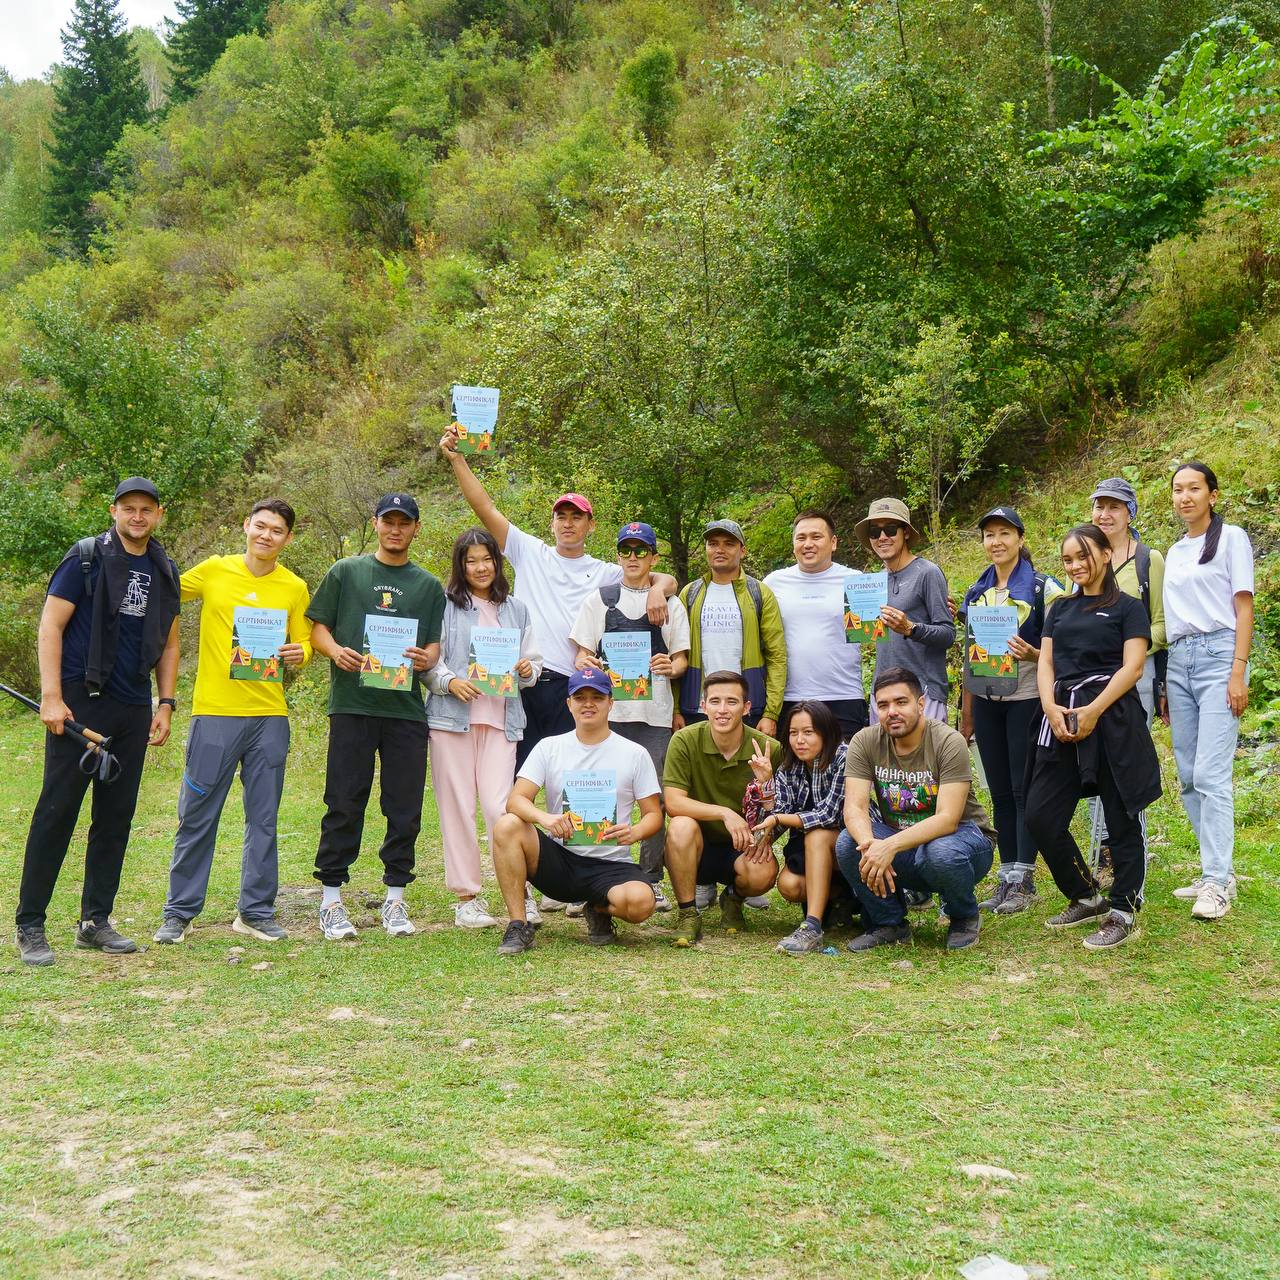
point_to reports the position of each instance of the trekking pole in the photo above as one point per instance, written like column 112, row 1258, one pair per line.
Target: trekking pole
column 97, row 760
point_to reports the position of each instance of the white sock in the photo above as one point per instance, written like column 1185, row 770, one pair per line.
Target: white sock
column 332, row 894
column 395, row 893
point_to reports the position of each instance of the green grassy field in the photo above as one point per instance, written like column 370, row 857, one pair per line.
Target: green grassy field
column 421, row 1108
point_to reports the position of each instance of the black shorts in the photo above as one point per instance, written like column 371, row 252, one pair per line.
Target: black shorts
column 577, row 877
column 716, row 864
column 793, row 857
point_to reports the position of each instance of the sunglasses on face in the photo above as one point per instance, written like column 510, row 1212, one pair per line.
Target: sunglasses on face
column 633, row 553
column 884, row 531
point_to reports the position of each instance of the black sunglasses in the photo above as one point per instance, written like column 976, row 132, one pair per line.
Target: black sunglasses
column 883, row 531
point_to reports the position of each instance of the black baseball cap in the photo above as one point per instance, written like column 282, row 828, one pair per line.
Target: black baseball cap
column 1007, row 514
column 136, row 484
column 401, row 502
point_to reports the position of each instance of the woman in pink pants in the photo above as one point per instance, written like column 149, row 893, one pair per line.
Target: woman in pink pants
column 474, row 710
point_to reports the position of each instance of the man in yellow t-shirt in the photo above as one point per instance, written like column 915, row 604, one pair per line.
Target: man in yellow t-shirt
column 253, row 624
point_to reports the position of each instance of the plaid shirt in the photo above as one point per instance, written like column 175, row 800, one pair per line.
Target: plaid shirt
column 816, row 798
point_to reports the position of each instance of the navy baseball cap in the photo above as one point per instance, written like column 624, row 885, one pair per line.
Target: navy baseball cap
column 638, row 531
column 590, row 678
column 136, row 484
column 401, row 502
column 1007, row 514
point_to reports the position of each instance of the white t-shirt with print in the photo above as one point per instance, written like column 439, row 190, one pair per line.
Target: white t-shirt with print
column 552, row 587
column 721, row 624
column 821, row 664
column 634, row 774
column 634, row 603
column 1199, row 598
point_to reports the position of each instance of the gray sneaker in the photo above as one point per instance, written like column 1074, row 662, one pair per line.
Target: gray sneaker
column 994, row 902
column 660, row 900
column 884, row 935
column 336, row 924
column 265, row 930
column 1021, row 893
column 100, row 936
column 395, row 918
column 33, row 946
column 518, row 937
column 704, row 896
column 1115, row 931
column 804, row 940
column 173, row 929
column 759, row 902
column 1077, row 913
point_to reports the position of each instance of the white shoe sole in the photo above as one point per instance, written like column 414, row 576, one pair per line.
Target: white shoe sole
column 166, row 942
column 1212, row 914
column 243, row 926
column 474, row 924
column 551, row 904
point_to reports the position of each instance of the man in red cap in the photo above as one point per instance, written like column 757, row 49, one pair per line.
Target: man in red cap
column 552, row 580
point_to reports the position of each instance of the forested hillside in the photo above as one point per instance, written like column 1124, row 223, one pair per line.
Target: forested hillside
column 717, row 256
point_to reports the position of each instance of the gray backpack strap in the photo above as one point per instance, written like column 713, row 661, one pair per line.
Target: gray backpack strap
column 757, row 596
column 611, row 595
column 1142, row 566
column 695, row 594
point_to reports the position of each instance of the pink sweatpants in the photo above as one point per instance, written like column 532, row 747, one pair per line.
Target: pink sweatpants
column 463, row 766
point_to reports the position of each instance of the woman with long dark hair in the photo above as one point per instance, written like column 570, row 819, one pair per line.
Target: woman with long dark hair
column 1093, row 739
column 473, row 732
column 1208, row 609
column 806, row 797
column 997, row 710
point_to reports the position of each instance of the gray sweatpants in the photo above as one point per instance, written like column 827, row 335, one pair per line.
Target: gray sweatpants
column 216, row 745
column 653, row 738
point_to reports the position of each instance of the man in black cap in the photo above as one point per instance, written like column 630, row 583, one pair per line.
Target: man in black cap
column 377, row 619
column 110, row 618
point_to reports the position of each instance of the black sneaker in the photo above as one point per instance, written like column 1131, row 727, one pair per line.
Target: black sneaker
column 517, row 938
column 884, row 935
column 993, row 903
column 94, row 936
column 963, row 933
column 1020, row 895
column 1077, row 913
column 33, row 946
column 599, row 926
column 1115, row 930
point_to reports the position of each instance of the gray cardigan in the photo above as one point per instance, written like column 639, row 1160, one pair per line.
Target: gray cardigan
column 444, row 711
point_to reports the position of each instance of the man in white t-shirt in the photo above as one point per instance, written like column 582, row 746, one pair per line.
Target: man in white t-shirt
column 821, row 665
column 552, row 582
column 620, row 614
column 592, row 778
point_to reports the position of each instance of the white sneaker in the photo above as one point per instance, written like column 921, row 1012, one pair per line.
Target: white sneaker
column 573, row 910
column 759, row 903
column 531, row 912
column 551, row 904
column 472, row 914
column 1192, row 890
column 335, row 923
column 1212, row 903
column 395, row 918
column 704, row 896
column 660, row 900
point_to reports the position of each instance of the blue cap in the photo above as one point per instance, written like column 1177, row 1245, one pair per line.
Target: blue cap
column 590, row 678
column 401, row 502
column 638, row 531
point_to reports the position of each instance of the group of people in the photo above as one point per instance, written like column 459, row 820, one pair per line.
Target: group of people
column 749, row 723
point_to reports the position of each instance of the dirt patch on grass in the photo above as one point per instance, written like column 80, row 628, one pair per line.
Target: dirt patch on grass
column 540, row 1159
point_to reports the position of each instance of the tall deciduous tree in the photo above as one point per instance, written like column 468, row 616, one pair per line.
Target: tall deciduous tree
column 197, row 39
column 97, row 91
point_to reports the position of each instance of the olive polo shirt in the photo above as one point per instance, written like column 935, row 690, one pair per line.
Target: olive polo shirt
column 695, row 765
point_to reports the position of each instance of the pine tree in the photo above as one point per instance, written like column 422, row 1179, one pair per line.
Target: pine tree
column 197, row 39
column 97, row 91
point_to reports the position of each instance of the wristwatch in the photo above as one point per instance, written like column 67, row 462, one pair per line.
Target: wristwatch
column 168, row 702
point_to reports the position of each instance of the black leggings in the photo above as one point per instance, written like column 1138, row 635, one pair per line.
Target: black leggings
column 1002, row 731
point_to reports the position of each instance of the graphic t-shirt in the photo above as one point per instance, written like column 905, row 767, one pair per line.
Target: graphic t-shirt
column 127, row 681
column 225, row 584
column 721, row 625
column 633, row 602
column 361, row 586
column 552, row 587
column 821, row 664
column 905, row 788
column 1092, row 643
column 628, row 763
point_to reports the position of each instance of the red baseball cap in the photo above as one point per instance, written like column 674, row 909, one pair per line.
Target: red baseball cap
column 574, row 500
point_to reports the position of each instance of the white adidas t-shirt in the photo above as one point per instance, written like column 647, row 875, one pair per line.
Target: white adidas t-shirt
column 552, row 587
column 821, row 664
column 1199, row 598
column 634, row 774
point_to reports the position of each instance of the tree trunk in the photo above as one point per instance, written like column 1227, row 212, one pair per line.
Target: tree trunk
column 1050, row 81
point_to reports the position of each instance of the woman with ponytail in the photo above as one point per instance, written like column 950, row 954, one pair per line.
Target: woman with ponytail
column 1092, row 739
column 1208, row 609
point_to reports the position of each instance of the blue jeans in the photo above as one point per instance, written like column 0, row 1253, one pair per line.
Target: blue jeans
column 949, row 866
column 1204, row 735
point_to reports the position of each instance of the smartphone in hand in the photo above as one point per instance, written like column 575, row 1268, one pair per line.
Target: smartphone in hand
column 1073, row 722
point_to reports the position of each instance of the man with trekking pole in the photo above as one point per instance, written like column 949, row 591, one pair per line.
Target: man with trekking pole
column 110, row 618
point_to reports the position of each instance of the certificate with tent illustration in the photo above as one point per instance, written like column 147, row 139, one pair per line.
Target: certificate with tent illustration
column 990, row 629
column 627, row 655
column 492, row 658
column 383, row 664
column 256, row 637
column 865, row 594
column 591, row 801
column 475, row 414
